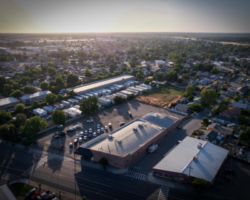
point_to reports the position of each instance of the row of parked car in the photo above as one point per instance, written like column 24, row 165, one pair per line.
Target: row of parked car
column 35, row 194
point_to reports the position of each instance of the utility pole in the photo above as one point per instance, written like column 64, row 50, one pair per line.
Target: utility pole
column 190, row 168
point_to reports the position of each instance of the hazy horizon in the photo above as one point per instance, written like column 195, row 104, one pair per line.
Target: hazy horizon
column 110, row 16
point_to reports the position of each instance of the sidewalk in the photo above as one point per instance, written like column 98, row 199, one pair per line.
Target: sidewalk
column 159, row 181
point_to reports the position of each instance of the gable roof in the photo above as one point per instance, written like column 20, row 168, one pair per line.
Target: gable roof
column 232, row 112
column 181, row 107
column 222, row 129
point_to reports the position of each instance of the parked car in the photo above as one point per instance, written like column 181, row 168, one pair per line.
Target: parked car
column 90, row 120
column 78, row 127
column 86, row 132
column 98, row 131
column 70, row 145
column 102, row 129
column 35, row 194
column 31, row 192
column 48, row 117
column 130, row 114
column 77, row 136
column 60, row 126
column 94, row 134
column 110, row 125
column 106, row 128
column 80, row 139
column 42, row 196
column 62, row 133
column 75, row 141
column 179, row 141
column 57, row 136
column 85, row 137
column 98, row 125
column 81, row 134
column 122, row 123
column 90, row 130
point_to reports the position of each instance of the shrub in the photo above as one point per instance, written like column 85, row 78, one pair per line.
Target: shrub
column 194, row 133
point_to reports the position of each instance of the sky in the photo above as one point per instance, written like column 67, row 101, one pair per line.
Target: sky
column 52, row 16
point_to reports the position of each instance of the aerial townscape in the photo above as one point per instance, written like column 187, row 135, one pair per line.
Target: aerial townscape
column 138, row 111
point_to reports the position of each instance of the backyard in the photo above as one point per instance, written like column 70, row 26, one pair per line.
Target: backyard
column 163, row 96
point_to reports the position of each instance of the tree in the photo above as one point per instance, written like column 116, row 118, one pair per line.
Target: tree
column 205, row 120
column 21, row 118
column 89, row 105
column 16, row 93
column 153, row 85
column 195, row 107
column 72, row 93
column 72, row 79
column 139, row 76
column 189, row 91
column 215, row 70
column 19, row 108
column 87, row 73
column 8, row 132
column 59, row 117
column 51, row 71
column 244, row 136
column 29, row 90
column 33, row 125
column 59, row 97
column 35, row 104
column 60, row 82
column 4, row 116
column 224, row 104
column 6, row 90
column 119, row 99
column 44, row 86
column 199, row 183
column 243, row 119
column 50, row 98
column 208, row 97
column 112, row 68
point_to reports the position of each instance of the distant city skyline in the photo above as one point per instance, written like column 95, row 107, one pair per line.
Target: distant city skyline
column 64, row 16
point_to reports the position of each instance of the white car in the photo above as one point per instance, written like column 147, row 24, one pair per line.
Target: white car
column 70, row 145
column 77, row 136
column 98, row 131
column 80, row 139
column 86, row 132
column 81, row 134
column 90, row 130
column 60, row 126
column 94, row 134
column 85, row 137
column 110, row 124
column 106, row 128
column 102, row 129
column 78, row 126
column 90, row 120
column 98, row 125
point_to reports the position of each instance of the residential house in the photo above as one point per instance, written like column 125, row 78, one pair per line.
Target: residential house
column 233, row 112
column 226, row 120
column 205, row 74
column 212, row 136
column 220, row 129
column 204, row 81
column 242, row 90
column 181, row 108
column 239, row 105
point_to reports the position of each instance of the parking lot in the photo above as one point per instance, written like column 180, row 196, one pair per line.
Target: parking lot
column 113, row 115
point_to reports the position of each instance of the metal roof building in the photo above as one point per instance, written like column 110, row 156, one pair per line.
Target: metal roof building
column 123, row 145
column 101, row 84
column 200, row 158
column 6, row 102
column 35, row 96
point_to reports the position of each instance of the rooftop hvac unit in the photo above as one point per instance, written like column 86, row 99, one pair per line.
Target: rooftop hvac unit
column 199, row 146
column 119, row 141
column 135, row 129
column 140, row 125
column 195, row 158
column 110, row 136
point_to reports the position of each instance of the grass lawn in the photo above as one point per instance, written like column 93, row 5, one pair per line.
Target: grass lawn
column 22, row 188
column 164, row 96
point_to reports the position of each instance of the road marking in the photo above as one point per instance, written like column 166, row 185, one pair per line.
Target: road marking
column 163, row 194
column 136, row 175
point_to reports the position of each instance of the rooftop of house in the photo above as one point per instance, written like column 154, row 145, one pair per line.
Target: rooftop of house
column 222, row 129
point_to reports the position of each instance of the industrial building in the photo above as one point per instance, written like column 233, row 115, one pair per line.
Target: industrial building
column 28, row 99
column 124, row 145
column 192, row 158
column 79, row 90
column 8, row 103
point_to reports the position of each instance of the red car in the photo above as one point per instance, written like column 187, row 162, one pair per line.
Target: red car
column 36, row 194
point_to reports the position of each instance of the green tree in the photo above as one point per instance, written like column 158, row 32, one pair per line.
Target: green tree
column 89, row 105
column 8, row 132
column 59, row 117
column 153, row 85
column 60, row 82
column 72, row 93
column 208, row 97
column 244, row 136
column 139, row 76
column 195, row 107
column 59, row 97
column 2, row 82
column 35, row 104
column 16, row 93
column 4, row 116
column 21, row 118
column 72, row 79
column 44, row 86
column 215, row 70
column 199, row 183
column 19, row 108
column 6, row 90
column 87, row 73
column 205, row 120
column 50, row 98
column 243, row 119
column 51, row 71
column 33, row 125
column 189, row 91
column 29, row 90
column 112, row 68
column 119, row 99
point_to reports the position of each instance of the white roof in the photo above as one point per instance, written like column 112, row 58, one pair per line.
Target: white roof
column 8, row 100
column 210, row 158
column 37, row 94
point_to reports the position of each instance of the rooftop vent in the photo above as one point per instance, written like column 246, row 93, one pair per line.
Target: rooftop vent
column 135, row 129
column 199, row 146
column 119, row 141
column 110, row 136
column 140, row 125
column 195, row 158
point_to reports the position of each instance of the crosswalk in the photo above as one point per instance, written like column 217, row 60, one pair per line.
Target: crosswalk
column 136, row 175
column 163, row 194
column 36, row 165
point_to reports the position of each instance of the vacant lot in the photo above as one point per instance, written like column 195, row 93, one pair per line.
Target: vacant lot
column 163, row 96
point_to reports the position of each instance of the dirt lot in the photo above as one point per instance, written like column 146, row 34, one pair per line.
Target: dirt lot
column 163, row 96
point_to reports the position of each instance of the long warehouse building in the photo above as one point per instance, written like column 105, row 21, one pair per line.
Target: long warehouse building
column 81, row 89
column 125, row 144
